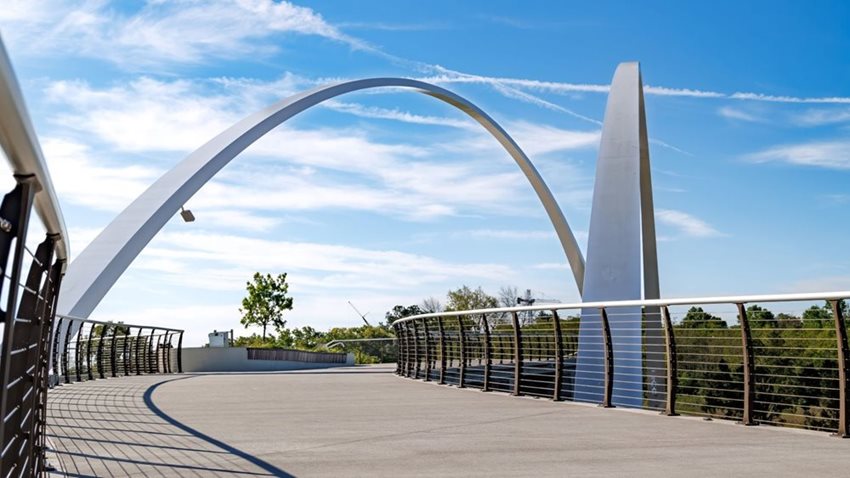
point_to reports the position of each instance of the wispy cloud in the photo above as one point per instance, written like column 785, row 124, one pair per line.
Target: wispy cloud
column 789, row 99
column 195, row 31
column 819, row 117
column 398, row 115
column 537, row 139
column 395, row 27
column 447, row 76
column 85, row 178
column 165, row 119
column 822, row 154
column 665, row 91
column 687, row 224
column 738, row 114
column 190, row 31
column 178, row 254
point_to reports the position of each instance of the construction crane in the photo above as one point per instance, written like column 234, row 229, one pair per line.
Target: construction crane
column 362, row 316
column 528, row 316
column 529, row 300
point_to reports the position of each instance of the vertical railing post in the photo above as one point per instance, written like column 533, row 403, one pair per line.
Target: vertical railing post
column 180, row 353
column 609, row 359
column 65, row 352
column 126, row 351
column 488, row 353
column 159, row 364
column 104, row 328
column 416, row 356
column 406, row 356
column 138, row 354
column 57, row 332
column 407, row 361
column 461, row 381
column 428, row 356
column 672, row 363
column 78, row 353
column 517, row 354
column 397, row 331
column 113, row 352
column 88, row 353
column 442, row 332
column 749, row 365
column 150, row 353
column 166, row 354
column 405, row 351
column 843, row 355
column 559, row 356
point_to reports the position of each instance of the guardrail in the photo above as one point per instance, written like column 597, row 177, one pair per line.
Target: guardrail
column 30, row 285
column 296, row 355
column 85, row 349
column 734, row 360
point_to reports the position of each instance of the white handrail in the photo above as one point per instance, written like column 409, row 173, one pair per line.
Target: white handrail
column 19, row 142
column 731, row 299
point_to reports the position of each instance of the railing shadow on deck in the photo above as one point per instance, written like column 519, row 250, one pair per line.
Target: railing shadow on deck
column 114, row 428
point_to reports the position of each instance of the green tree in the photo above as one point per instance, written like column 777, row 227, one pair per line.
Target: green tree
column 400, row 312
column 760, row 317
column 265, row 302
column 307, row 338
column 816, row 316
column 700, row 319
column 468, row 299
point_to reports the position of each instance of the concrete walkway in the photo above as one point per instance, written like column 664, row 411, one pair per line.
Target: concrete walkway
column 365, row 421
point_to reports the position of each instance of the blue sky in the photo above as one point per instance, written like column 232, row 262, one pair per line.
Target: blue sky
column 389, row 197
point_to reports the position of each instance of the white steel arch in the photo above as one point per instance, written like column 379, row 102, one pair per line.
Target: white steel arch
column 99, row 266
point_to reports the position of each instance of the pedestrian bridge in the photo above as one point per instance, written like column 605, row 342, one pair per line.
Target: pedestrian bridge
column 86, row 398
column 367, row 421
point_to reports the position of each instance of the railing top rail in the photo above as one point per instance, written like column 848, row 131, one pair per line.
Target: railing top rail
column 20, row 144
column 102, row 322
column 732, row 299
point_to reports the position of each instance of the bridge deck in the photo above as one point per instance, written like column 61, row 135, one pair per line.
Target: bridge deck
column 365, row 421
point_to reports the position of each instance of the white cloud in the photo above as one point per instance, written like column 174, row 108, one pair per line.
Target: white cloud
column 398, row 115
column 189, row 31
column 823, row 154
column 158, row 118
column 788, row 99
column 665, row 91
column 84, row 178
column 686, row 224
column 818, row 117
column 737, row 114
column 206, row 261
column 538, row 139
column 148, row 115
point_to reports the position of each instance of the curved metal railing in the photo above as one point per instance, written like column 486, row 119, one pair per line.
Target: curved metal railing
column 85, row 349
column 718, row 357
column 30, row 285
column 22, row 150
